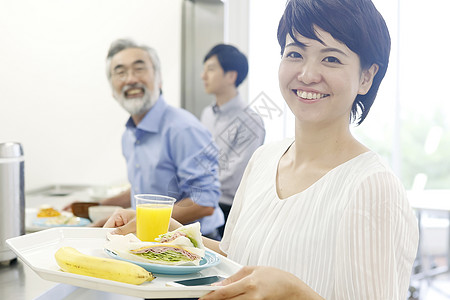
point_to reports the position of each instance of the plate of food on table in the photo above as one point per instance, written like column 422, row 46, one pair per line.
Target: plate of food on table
column 47, row 216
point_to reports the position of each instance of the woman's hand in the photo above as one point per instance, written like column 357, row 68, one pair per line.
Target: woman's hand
column 124, row 220
column 262, row 283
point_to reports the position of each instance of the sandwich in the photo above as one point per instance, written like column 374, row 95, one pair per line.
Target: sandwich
column 183, row 246
column 186, row 236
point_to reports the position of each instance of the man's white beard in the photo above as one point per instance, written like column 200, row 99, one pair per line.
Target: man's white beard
column 137, row 106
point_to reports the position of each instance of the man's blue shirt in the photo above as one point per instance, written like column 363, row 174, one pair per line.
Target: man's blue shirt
column 171, row 153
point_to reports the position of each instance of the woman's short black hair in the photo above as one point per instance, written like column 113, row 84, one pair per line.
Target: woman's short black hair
column 356, row 23
column 230, row 59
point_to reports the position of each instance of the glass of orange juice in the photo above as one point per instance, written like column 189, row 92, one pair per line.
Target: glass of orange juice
column 152, row 215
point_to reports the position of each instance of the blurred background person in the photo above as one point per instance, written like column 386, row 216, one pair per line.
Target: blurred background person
column 167, row 150
column 236, row 128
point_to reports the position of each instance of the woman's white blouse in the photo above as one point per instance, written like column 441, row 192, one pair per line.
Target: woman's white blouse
column 351, row 235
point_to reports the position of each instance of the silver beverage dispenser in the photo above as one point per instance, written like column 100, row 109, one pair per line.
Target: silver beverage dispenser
column 12, row 196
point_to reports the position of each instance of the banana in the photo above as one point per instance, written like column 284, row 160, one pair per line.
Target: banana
column 71, row 260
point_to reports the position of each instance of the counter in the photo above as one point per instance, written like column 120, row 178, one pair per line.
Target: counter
column 18, row 281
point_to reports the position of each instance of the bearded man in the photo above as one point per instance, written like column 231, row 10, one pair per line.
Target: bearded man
column 167, row 150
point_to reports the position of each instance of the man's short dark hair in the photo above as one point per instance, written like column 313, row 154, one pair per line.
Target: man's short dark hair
column 230, row 59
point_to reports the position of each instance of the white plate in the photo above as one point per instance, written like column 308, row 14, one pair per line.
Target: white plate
column 210, row 260
column 47, row 222
column 37, row 250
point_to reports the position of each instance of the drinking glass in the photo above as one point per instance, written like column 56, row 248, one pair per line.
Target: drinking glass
column 153, row 214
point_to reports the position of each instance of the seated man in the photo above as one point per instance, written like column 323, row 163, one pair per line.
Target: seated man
column 167, row 150
column 237, row 129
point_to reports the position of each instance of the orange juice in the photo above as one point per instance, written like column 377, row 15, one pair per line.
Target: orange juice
column 152, row 220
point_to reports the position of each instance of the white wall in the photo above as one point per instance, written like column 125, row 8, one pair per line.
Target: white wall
column 264, row 60
column 236, row 32
column 55, row 98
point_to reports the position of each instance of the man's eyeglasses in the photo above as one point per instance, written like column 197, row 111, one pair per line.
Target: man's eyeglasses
column 122, row 73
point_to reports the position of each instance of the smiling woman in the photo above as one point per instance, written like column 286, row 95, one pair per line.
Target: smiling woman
column 333, row 211
column 314, row 199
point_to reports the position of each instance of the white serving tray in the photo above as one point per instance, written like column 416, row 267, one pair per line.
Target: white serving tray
column 37, row 251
